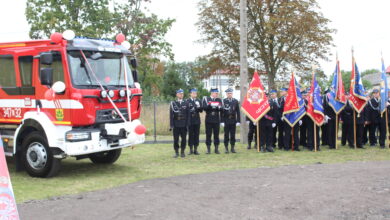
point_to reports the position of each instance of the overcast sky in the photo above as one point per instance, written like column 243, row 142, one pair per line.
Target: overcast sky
column 359, row 23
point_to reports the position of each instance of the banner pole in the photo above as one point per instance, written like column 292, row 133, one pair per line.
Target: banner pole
column 337, row 129
column 354, row 129
column 292, row 138
column 315, row 137
column 258, row 136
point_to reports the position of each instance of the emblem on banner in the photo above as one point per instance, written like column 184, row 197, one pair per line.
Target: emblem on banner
column 255, row 95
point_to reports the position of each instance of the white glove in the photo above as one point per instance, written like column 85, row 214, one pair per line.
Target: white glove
column 223, row 124
column 281, row 118
column 327, row 118
column 238, row 124
column 273, row 125
column 300, row 122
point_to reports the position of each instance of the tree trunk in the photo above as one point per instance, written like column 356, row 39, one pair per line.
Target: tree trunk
column 271, row 80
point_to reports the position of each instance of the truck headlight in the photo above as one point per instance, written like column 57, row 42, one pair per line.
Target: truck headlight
column 73, row 136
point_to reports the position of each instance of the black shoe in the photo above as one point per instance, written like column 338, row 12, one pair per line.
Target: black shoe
column 176, row 155
column 196, row 150
column 216, row 151
column 226, row 149
column 318, row 149
column 361, row 147
column 270, row 149
column 232, row 150
column 249, row 146
column 351, row 146
column 297, row 149
column 182, row 155
column 208, row 150
column 383, row 147
column 262, row 149
column 191, row 152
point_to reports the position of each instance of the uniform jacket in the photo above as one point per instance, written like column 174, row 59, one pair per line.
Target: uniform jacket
column 195, row 107
column 373, row 111
column 280, row 105
column 272, row 115
column 179, row 114
column 213, row 109
column 328, row 110
column 230, row 111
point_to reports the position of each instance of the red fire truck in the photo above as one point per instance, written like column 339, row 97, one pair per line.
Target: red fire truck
column 68, row 97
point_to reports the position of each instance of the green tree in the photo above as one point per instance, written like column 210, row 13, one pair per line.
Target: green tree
column 90, row 18
column 346, row 75
column 281, row 34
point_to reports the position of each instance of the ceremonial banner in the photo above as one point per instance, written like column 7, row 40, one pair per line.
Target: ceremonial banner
column 294, row 107
column 384, row 92
column 314, row 107
column 336, row 96
column 8, row 209
column 255, row 105
column 357, row 98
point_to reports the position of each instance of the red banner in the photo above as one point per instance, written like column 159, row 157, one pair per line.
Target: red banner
column 292, row 104
column 8, row 209
column 255, row 105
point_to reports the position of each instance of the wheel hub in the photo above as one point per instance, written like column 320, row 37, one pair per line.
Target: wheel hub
column 36, row 155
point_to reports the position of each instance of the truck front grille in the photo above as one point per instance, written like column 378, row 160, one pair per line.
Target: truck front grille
column 110, row 115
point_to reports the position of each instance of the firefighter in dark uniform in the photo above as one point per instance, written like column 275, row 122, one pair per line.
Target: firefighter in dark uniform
column 274, row 99
column 179, row 121
column 281, row 123
column 377, row 121
column 252, row 133
column 347, row 127
column 230, row 119
column 268, row 123
column 330, row 119
column 212, row 105
column 195, row 107
column 324, row 127
column 361, row 120
column 303, row 129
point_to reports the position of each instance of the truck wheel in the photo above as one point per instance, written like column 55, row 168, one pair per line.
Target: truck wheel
column 106, row 157
column 37, row 156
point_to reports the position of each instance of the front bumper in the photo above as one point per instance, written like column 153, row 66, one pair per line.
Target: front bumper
column 99, row 143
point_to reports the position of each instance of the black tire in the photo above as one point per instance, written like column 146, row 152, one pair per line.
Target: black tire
column 106, row 157
column 46, row 167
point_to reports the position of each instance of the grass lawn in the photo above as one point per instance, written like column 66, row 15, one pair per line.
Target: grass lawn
column 155, row 161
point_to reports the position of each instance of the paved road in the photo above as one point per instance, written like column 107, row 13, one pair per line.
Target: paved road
column 355, row 190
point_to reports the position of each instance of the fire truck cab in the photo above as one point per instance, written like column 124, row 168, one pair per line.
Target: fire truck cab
column 68, row 97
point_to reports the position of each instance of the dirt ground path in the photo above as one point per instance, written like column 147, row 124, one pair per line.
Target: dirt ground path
column 354, row 190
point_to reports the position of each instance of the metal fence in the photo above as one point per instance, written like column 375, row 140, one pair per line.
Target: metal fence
column 155, row 116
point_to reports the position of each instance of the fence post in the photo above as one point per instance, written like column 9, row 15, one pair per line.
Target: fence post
column 154, row 121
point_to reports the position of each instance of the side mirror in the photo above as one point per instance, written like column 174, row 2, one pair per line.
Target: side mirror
column 46, row 76
column 46, row 58
column 59, row 87
column 135, row 75
column 133, row 63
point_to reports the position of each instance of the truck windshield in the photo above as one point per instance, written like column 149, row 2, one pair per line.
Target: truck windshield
column 108, row 68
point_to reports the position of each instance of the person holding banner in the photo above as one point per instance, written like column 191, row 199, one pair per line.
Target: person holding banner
column 303, row 130
column 294, row 110
column 256, row 105
column 347, row 127
column 274, row 98
column 281, row 123
column 230, row 119
column 212, row 106
column 251, row 133
column 330, row 119
column 268, row 122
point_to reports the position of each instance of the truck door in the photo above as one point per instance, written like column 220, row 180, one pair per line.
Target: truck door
column 56, row 106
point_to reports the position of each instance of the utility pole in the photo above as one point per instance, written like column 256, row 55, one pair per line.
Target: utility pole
column 243, row 67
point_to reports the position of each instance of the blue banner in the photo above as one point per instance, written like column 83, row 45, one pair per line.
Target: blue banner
column 384, row 93
column 336, row 105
